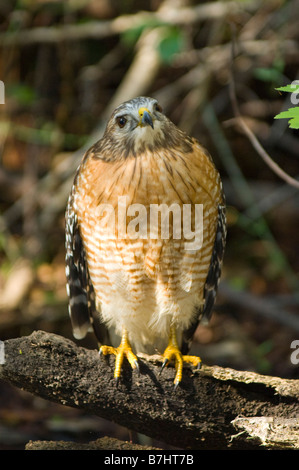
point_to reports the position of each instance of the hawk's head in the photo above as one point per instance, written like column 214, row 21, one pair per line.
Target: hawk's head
column 136, row 126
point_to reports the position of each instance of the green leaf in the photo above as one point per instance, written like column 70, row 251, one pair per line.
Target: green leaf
column 292, row 114
column 294, row 123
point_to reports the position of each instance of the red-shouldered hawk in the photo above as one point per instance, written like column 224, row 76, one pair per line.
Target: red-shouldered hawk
column 140, row 280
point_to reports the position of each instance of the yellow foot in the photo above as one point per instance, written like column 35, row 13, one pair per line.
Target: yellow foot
column 172, row 352
column 123, row 350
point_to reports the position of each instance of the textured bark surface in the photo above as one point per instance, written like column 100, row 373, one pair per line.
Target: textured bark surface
column 200, row 414
column 104, row 443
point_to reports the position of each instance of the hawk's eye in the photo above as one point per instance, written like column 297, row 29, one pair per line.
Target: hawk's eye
column 158, row 108
column 121, row 121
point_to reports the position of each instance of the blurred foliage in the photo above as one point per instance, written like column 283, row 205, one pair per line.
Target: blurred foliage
column 171, row 44
column 272, row 74
column 59, row 93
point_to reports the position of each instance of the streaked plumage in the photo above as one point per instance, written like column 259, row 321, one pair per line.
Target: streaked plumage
column 144, row 286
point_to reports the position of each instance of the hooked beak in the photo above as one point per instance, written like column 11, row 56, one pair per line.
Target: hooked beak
column 145, row 118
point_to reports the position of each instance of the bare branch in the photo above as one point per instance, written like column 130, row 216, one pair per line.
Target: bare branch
column 106, row 28
column 198, row 414
column 265, row 156
column 248, row 132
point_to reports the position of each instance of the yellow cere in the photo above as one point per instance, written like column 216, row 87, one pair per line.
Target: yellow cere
column 142, row 111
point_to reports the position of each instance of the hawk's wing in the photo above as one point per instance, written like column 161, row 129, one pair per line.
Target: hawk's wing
column 214, row 272
column 212, row 280
column 82, row 309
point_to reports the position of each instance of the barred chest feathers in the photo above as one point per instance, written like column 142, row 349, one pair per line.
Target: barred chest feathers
column 145, row 284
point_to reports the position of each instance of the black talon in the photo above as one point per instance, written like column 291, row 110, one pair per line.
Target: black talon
column 137, row 366
column 199, row 366
column 165, row 362
column 176, row 384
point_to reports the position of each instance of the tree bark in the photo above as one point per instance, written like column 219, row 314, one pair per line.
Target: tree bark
column 214, row 408
column 104, row 443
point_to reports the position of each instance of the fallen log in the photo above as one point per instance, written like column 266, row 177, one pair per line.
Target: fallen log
column 205, row 412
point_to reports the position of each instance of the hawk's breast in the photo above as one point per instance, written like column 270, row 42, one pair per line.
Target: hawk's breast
column 143, row 279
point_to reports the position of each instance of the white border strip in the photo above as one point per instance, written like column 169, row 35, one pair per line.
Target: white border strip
column 2, row 355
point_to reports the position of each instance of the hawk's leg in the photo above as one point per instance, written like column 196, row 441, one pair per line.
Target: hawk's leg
column 123, row 350
column 172, row 352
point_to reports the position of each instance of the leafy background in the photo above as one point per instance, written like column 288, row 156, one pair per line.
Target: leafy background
column 65, row 66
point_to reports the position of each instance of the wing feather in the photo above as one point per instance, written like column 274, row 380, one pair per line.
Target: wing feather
column 78, row 283
column 214, row 273
column 82, row 306
column 211, row 285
